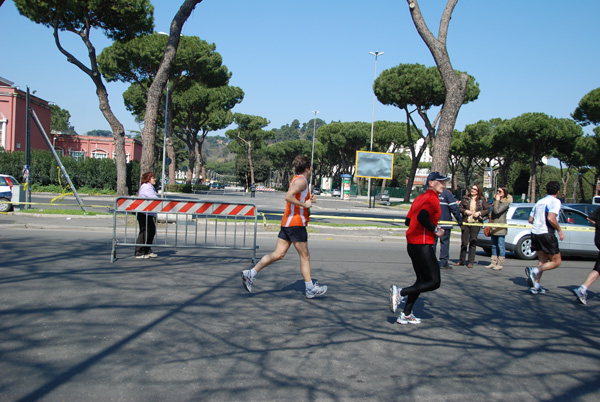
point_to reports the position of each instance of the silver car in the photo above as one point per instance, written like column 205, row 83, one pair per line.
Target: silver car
column 6, row 184
column 518, row 239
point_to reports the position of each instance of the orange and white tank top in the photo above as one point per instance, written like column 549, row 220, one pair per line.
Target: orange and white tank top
column 295, row 215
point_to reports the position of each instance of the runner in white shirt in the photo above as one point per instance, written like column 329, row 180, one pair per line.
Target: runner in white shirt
column 543, row 218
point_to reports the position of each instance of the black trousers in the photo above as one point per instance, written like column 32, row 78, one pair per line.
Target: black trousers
column 468, row 240
column 147, row 232
column 427, row 270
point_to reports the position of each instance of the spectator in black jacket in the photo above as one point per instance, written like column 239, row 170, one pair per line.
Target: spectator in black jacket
column 449, row 207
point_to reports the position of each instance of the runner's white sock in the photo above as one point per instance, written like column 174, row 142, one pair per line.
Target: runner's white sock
column 309, row 285
column 253, row 273
column 583, row 288
column 535, row 271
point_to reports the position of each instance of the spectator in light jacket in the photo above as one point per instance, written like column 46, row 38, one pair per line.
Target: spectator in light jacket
column 147, row 221
column 502, row 201
column 449, row 207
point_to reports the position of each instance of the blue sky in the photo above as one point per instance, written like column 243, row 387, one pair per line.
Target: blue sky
column 295, row 56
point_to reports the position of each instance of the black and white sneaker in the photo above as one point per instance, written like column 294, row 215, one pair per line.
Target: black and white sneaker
column 530, row 276
column 537, row 291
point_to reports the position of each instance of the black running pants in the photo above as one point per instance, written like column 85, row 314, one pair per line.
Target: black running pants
column 427, row 270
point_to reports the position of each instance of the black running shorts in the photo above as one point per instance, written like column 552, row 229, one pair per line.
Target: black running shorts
column 547, row 242
column 293, row 234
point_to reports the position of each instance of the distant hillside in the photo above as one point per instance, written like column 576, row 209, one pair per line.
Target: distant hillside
column 215, row 149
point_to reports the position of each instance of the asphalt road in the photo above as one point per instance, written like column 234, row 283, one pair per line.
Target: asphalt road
column 182, row 328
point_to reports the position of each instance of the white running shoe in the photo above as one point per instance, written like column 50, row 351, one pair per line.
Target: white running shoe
column 581, row 295
column 317, row 290
column 408, row 319
column 248, row 280
column 395, row 298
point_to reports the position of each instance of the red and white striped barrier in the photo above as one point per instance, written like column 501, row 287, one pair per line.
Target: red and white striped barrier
column 154, row 205
column 200, row 224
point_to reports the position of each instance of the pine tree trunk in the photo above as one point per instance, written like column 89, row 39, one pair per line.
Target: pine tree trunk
column 456, row 86
column 158, row 84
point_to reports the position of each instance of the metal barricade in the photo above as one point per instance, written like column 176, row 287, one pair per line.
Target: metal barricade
column 186, row 223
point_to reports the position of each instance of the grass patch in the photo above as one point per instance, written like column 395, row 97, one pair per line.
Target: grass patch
column 61, row 212
column 82, row 190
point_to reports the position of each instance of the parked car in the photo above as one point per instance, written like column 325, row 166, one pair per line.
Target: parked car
column 6, row 184
column 385, row 197
column 518, row 239
column 585, row 208
column 316, row 191
column 336, row 192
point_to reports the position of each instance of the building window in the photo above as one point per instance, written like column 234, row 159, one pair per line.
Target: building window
column 126, row 157
column 99, row 154
column 3, row 133
column 77, row 154
column 59, row 151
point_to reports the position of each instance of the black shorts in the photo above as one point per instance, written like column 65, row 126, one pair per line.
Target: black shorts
column 293, row 234
column 547, row 242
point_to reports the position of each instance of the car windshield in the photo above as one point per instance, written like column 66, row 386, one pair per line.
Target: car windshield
column 522, row 213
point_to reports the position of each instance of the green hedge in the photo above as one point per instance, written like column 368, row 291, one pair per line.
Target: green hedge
column 93, row 173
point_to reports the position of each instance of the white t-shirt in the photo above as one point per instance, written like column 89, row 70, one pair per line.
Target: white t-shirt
column 540, row 214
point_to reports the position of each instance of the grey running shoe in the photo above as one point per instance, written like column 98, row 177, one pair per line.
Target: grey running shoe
column 581, row 296
column 248, row 280
column 408, row 319
column 530, row 276
column 537, row 291
column 317, row 290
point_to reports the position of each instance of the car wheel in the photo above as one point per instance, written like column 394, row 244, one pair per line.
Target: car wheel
column 523, row 249
column 5, row 205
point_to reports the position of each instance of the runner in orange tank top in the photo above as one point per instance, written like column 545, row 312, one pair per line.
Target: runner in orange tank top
column 293, row 230
column 296, row 215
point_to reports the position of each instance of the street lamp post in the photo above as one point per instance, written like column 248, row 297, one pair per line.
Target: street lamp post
column 313, row 151
column 164, row 159
column 376, row 53
column 162, row 187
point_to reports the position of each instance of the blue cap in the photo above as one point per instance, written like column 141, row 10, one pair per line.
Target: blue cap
column 435, row 176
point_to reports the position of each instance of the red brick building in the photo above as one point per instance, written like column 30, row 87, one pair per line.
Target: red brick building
column 13, row 105
column 13, row 109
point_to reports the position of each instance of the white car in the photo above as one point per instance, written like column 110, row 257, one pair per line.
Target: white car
column 6, row 184
column 518, row 239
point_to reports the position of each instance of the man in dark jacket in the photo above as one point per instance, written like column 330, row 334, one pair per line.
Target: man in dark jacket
column 449, row 207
